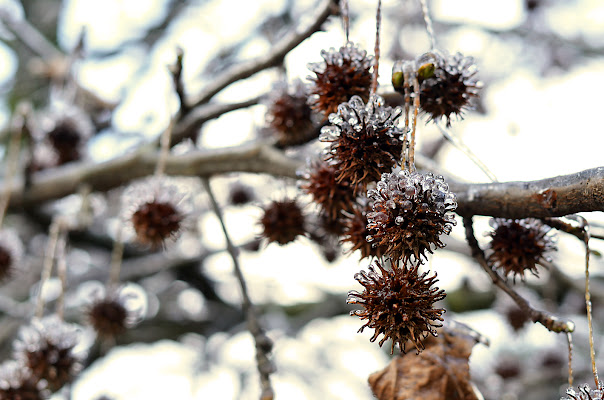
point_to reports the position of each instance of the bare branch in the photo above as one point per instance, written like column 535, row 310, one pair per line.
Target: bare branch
column 551, row 197
column 52, row 184
column 31, row 37
column 263, row 343
column 272, row 58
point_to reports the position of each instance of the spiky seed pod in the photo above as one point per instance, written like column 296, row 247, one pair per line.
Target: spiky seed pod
column 447, row 84
column 519, row 245
column 240, row 194
column 17, row 383
column 585, row 393
column 67, row 129
column 283, row 221
column 112, row 312
column 11, row 253
column 289, row 116
column 157, row 210
column 516, row 318
column 365, row 141
column 508, row 368
column 320, row 182
column 399, row 304
column 356, row 232
column 47, row 348
column 410, row 212
column 342, row 74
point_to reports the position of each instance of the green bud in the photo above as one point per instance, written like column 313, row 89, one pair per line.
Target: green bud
column 426, row 71
column 398, row 80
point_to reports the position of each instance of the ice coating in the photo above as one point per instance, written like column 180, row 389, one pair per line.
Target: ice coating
column 410, row 212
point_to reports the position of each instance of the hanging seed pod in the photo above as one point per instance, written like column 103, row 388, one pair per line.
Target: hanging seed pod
column 365, row 141
column 410, row 213
column 47, row 348
column 283, row 221
column 289, row 117
column 11, row 253
column 518, row 246
column 342, row 74
column 399, row 304
column 157, row 210
column 447, row 83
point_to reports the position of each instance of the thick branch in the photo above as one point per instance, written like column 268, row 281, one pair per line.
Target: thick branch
column 60, row 182
column 551, row 197
column 558, row 196
column 272, row 58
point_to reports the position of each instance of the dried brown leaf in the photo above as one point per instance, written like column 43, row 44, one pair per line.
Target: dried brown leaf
column 440, row 372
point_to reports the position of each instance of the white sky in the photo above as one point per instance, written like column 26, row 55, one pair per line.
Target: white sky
column 540, row 127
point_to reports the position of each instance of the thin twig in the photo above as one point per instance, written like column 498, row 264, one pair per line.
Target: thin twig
column 584, row 225
column 263, row 343
column 12, row 155
column 416, row 92
column 164, row 149
column 61, row 252
column 345, row 18
column 49, row 256
column 428, row 21
column 569, row 339
column 116, row 259
column 376, row 49
column 460, row 145
column 549, row 321
column 189, row 125
column 176, row 72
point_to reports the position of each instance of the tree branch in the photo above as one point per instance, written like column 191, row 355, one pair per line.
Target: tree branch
column 60, row 182
column 551, row 197
column 274, row 57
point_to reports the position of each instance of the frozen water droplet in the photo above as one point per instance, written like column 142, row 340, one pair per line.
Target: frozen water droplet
column 391, row 204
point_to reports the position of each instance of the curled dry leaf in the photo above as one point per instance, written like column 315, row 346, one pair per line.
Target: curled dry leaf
column 440, row 372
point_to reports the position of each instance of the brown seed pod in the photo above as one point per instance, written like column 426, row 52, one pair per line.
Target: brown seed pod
column 356, row 232
column 283, row 221
column 67, row 129
column 240, row 194
column 112, row 311
column 344, row 73
column 11, row 253
column 410, row 212
column 365, row 141
column 157, row 210
column 17, row 383
column 289, row 116
column 46, row 348
column 319, row 180
column 519, row 245
column 399, row 304
column 447, row 84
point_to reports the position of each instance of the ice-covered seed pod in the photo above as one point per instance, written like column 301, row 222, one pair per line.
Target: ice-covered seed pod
column 410, row 213
column 48, row 347
column 365, row 141
column 342, row 74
